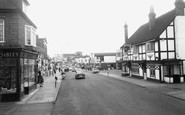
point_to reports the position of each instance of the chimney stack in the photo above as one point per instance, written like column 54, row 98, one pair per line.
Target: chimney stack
column 179, row 6
column 151, row 17
column 126, row 32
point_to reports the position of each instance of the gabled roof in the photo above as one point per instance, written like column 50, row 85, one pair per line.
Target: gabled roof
column 143, row 33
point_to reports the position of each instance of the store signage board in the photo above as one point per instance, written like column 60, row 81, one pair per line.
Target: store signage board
column 9, row 54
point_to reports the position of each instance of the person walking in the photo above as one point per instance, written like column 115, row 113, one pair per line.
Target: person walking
column 40, row 78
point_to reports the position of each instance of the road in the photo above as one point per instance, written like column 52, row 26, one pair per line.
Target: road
column 101, row 95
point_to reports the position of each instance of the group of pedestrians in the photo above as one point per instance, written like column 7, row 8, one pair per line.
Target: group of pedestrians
column 53, row 73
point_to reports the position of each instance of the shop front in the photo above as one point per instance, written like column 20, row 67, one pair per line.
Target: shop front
column 126, row 65
column 173, row 71
column 17, row 73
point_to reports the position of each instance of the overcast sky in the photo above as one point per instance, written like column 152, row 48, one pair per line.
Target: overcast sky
column 90, row 26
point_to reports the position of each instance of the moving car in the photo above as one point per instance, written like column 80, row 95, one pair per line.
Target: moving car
column 95, row 70
column 74, row 69
column 79, row 74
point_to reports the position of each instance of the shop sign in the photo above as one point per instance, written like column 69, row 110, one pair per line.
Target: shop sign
column 9, row 54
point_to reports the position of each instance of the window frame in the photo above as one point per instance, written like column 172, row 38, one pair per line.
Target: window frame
column 3, row 34
column 150, row 47
column 32, row 32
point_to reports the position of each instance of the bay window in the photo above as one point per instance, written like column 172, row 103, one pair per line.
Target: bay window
column 1, row 30
column 30, row 36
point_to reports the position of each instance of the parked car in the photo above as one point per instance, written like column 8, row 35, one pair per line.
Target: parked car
column 79, row 74
column 95, row 70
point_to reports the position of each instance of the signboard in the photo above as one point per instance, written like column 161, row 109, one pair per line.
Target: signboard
column 9, row 54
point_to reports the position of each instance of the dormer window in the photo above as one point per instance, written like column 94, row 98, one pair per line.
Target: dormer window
column 150, row 47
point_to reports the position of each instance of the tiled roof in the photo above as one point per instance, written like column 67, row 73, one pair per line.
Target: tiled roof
column 143, row 33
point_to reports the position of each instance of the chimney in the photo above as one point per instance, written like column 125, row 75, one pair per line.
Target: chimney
column 151, row 17
column 126, row 32
column 179, row 6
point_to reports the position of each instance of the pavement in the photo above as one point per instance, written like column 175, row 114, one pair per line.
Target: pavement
column 176, row 90
column 48, row 93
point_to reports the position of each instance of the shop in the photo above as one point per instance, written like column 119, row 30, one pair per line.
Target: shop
column 18, row 76
column 173, row 71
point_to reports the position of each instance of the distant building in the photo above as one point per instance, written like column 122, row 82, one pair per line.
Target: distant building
column 156, row 50
column 42, row 52
column 105, row 60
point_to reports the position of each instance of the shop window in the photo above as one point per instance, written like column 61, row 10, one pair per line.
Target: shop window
column 27, row 73
column 30, row 36
column 7, row 75
column 135, row 68
column 152, row 71
column 168, row 70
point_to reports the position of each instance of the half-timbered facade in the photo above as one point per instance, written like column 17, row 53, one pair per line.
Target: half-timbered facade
column 155, row 50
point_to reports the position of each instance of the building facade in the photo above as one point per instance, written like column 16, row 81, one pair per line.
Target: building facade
column 155, row 50
column 17, row 50
column 105, row 60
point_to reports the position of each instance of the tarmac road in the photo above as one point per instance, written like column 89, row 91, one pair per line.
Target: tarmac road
column 101, row 95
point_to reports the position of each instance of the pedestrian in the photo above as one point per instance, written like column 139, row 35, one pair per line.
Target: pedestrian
column 40, row 78
column 63, row 75
column 56, row 78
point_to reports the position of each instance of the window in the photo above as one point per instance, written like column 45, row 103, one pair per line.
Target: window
column 8, row 75
column 1, row 30
column 135, row 49
column 30, row 36
column 27, row 72
column 168, row 70
column 135, row 68
column 152, row 71
column 150, row 47
column 170, row 32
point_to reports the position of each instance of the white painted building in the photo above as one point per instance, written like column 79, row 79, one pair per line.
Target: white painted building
column 155, row 51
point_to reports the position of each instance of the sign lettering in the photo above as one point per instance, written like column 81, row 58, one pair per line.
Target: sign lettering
column 9, row 54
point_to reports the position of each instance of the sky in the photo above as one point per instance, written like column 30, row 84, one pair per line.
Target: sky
column 90, row 26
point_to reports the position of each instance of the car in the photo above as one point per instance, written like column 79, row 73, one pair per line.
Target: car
column 79, row 74
column 70, row 68
column 95, row 70
column 74, row 70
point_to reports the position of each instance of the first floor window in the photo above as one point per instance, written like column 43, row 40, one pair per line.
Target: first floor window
column 30, row 36
column 1, row 30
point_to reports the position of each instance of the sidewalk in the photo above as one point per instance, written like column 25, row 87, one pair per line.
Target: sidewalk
column 47, row 93
column 42, row 95
column 173, row 90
